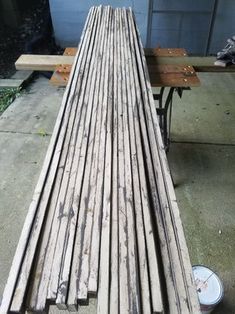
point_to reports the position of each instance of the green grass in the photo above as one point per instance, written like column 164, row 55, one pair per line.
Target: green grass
column 7, row 96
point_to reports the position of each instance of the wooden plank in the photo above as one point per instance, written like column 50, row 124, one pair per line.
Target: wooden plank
column 19, row 255
column 192, row 298
column 50, row 62
column 165, row 52
column 75, row 165
column 97, row 221
column 77, row 260
column 200, row 64
column 39, row 303
column 77, row 228
column 131, row 232
column 41, row 62
column 104, row 278
column 144, row 213
column 173, row 76
column 114, row 256
column 83, row 287
column 38, row 273
column 60, row 75
column 176, row 303
column 70, row 51
column 192, row 305
column 28, row 260
column 144, row 291
column 105, row 221
column 124, row 300
column 173, row 80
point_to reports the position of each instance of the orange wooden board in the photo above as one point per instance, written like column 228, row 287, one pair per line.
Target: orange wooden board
column 173, row 76
column 166, row 52
column 61, row 74
column 159, row 52
column 160, row 75
column 70, row 51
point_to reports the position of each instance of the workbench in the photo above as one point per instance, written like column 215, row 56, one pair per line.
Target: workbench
column 169, row 78
column 170, row 69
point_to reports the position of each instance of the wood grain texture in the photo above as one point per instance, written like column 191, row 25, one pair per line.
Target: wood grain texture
column 104, row 220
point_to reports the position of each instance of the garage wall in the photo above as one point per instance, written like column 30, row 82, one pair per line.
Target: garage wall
column 224, row 26
column 202, row 26
column 69, row 16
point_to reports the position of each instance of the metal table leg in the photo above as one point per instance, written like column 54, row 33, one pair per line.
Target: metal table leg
column 162, row 111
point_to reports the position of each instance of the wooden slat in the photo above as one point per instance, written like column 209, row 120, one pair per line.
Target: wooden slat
column 103, row 292
column 75, row 165
column 35, row 302
column 50, row 62
column 19, row 255
column 42, row 62
column 83, row 170
column 124, row 301
column 104, row 221
column 172, row 245
column 28, row 259
column 114, row 254
column 137, row 193
column 97, row 221
column 192, row 305
column 131, row 232
column 144, row 214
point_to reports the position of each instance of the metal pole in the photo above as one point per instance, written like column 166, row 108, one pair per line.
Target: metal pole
column 149, row 27
column 211, row 28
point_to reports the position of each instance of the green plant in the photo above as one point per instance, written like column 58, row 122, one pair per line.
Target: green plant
column 42, row 132
column 7, row 96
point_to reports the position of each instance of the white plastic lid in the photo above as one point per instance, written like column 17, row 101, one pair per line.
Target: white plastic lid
column 209, row 286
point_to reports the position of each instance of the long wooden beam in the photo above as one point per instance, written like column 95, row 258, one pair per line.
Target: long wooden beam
column 49, row 62
column 42, row 62
column 200, row 64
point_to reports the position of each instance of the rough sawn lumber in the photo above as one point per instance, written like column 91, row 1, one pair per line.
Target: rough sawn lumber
column 104, row 221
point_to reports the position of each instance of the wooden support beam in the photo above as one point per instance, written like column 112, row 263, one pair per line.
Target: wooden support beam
column 50, row 62
column 42, row 62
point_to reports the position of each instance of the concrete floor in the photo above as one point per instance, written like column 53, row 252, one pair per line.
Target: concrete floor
column 202, row 159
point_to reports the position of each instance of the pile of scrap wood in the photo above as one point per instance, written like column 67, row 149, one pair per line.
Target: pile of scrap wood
column 104, row 220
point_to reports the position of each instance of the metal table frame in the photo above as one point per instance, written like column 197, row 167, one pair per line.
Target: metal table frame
column 164, row 110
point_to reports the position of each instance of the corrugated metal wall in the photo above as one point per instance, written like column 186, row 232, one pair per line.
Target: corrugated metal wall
column 201, row 26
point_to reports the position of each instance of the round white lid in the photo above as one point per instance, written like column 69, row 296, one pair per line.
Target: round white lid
column 209, row 286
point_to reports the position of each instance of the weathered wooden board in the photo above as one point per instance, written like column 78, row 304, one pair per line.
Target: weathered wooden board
column 104, row 221
column 42, row 62
column 50, row 62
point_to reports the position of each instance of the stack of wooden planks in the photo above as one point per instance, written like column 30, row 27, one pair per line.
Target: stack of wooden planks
column 104, row 221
